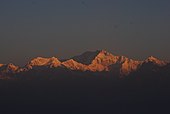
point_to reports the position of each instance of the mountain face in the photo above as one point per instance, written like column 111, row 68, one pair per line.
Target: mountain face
column 92, row 61
column 151, row 65
column 86, row 58
column 102, row 60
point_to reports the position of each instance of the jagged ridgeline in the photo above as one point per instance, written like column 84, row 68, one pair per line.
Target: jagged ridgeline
column 98, row 62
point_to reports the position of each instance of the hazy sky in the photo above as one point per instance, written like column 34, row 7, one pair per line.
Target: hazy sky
column 63, row 28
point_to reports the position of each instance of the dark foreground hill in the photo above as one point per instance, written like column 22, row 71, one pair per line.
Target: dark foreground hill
column 85, row 95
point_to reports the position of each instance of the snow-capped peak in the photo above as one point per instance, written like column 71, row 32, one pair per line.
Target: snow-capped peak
column 40, row 61
column 155, row 60
column 73, row 65
column 152, row 58
column 105, row 58
column 1, row 65
column 8, row 68
column 12, row 67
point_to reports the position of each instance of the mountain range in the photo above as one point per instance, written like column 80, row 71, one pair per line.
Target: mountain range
column 99, row 61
